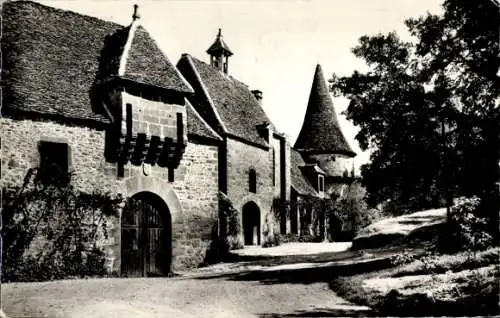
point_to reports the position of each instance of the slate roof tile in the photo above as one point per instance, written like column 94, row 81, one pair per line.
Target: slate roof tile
column 321, row 131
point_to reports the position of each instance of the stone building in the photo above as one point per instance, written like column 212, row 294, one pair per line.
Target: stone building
column 321, row 141
column 103, row 102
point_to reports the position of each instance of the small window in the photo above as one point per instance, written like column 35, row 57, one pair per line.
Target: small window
column 252, row 181
column 274, row 166
column 180, row 129
column 54, row 162
column 321, row 183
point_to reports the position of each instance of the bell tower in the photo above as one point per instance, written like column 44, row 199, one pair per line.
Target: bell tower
column 219, row 53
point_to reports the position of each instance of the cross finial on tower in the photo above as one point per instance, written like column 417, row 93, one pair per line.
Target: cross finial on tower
column 136, row 15
column 220, row 33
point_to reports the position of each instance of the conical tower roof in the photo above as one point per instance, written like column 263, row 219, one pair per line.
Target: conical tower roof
column 321, row 133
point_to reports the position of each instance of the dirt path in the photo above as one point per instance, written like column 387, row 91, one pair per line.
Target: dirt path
column 284, row 285
column 174, row 297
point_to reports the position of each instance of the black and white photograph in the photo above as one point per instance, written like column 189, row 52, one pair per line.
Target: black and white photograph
column 238, row 158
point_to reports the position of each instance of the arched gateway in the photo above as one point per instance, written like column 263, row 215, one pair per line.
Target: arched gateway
column 146, row 236
column 251, row 224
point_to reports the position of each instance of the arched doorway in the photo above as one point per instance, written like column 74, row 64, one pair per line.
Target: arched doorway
column 251, row 224
column 146, row 236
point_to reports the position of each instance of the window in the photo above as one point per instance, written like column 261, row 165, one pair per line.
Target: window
column 180, row 129
column 171, row 176
column 54, row 162
column 274, row 166
column 252, row 181
column 128, row 119
column 321, row 183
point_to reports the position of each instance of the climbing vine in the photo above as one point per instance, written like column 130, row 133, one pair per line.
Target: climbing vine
column 52, row 231
column 231, row 223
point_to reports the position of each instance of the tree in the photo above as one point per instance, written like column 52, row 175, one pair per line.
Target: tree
column 429, row 108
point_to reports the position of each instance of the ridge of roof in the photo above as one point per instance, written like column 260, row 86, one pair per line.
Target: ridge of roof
column 235, row 104
column 145, row 62
column 54, row 9
column 321, row 132
column 126, row 48
column 189, row 59
column 205, row 130
column 68, row 56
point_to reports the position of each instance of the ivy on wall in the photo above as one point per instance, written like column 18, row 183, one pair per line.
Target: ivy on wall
column 231, row 220
column 54, row 231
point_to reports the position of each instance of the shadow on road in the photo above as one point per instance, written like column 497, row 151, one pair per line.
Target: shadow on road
column 265, row 260
column 308, row 275
column 321, row 312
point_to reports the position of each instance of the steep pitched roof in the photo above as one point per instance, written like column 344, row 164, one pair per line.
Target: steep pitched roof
column 219, row 46
column 197, row 126
column 321, row 131
column 299, row 181
column 229, row 104
column 145, row 63
column 52, row 58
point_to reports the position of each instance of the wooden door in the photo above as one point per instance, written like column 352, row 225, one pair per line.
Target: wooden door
column 143, row 239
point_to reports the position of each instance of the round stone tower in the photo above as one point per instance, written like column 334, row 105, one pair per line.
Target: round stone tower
column 321, row 140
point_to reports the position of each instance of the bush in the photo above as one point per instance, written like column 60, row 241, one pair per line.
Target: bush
column 430, row 263
column 349, row 213
column 287, row 238
column 402, row 259
column 230, row 223
column 467, row 230
column 272, row 240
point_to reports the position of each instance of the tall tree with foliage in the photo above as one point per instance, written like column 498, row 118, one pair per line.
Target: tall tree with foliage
column 428, row 109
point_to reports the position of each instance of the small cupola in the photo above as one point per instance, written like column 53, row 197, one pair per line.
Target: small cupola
column 219, row 53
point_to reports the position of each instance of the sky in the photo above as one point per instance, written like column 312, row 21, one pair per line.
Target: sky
column 276, row 44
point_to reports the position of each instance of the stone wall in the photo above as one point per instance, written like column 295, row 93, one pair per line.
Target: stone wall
column 242, row 157
column 195, row 185
column 20, row 139
column 156, row 118
column 196, row 188
column 333, row 165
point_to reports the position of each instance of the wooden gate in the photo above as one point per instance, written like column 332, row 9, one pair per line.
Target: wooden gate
column 146, row 241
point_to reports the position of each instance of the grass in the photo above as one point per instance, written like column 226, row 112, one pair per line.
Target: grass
column 432, row 285
column 448, row 263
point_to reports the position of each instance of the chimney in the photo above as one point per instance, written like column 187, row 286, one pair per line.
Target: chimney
column 258, row 95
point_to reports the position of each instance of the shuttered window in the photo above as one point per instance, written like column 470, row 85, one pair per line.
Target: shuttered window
column 54, row 162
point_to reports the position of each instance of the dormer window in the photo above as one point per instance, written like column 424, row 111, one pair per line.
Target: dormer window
column 252, row 181
column 54, row 162
column 321, row 183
